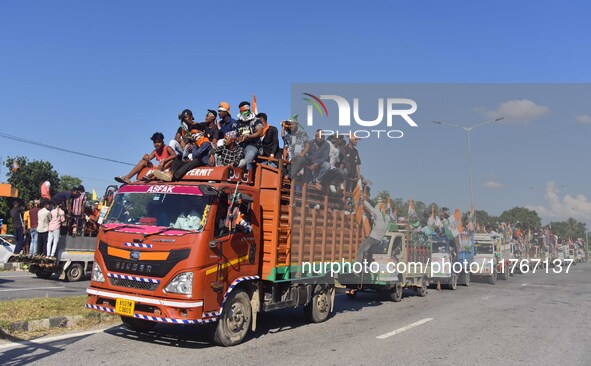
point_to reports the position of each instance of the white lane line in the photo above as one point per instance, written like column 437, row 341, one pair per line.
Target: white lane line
column 51, row 339
column 31, row 288
column 400, row 330
column 524, row 284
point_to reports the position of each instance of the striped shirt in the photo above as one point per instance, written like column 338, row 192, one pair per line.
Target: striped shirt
column 78, row 205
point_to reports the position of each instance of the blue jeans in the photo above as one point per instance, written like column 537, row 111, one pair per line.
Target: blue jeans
column 20, row 239
column 250, row 153
column 33, row 249
column 324, row 168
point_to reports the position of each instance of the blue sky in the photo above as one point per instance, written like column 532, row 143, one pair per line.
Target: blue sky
column 101, row 77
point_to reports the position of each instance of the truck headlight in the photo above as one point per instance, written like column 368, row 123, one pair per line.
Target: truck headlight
column 97, row 274
column 181, row 284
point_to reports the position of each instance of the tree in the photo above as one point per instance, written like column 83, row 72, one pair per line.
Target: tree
column 67, row 182
column 485, row 220
column 526, row 218
column 569, row 229
column 29, row 176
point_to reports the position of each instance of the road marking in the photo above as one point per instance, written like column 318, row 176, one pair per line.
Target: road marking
column 51, row 339
column 524, row 284
column 32, row 288
column 400, row 330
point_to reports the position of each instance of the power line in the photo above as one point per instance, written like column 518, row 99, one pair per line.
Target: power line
column 26, row 141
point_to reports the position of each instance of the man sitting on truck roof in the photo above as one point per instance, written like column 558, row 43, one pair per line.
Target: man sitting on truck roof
column 296, row 145
column 180, row 139
column 163, row 154
column 226, row 123
column 199, row 157
column 249, row 131
column 229, row 154
column 319, row 159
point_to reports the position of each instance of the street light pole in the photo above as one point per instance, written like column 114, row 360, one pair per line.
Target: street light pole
column 469, row 130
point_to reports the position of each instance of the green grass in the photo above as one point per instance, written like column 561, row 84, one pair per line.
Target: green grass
column 41, row 308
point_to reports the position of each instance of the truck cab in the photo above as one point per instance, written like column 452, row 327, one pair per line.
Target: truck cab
column 484, row 257
column 442, row 260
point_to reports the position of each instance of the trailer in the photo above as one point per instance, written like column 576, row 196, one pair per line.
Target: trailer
column 74, row 259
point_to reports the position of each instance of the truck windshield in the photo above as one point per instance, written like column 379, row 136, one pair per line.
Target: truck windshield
column 482, row 248
column 181, row 211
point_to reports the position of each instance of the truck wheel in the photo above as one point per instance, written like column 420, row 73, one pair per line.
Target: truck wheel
column 396, row 292
column 75, row 272
column 422, row 291
column 12, row 259
column 318, row 309
column 453, row 284
column 233, row 324
column 505, row 274
column 467, row 279
column 44, row 274
column 139, row 325
column 493, row 279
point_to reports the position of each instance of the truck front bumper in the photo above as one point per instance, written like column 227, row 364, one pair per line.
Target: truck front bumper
column 152, row 309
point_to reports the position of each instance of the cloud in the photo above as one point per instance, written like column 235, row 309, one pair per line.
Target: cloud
column 491, row 184
column 584, row 119
column 523, row 110
column 561, row 208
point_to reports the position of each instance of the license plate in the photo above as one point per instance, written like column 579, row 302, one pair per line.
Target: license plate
column 124, row 307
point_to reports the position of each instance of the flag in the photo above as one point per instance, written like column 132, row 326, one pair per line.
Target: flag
column 452, row 227
column 94, row 197
column 357, row 202
column 15, row 166
column 413, row 219
column 458, row 217
column 432, row 222
column 254, row 108
column 471, row 220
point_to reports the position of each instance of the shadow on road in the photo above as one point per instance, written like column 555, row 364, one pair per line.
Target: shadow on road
column 30, row 352
column 198, row 336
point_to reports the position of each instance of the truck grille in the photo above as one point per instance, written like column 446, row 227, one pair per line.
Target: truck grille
column 133, row 284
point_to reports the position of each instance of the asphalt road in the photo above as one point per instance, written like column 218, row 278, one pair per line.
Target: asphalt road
column 25, row 285
column 530, row 319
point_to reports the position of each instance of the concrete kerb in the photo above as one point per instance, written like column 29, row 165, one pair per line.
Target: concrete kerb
column 55, row 322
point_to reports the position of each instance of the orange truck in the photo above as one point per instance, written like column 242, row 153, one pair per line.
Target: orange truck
column 220, row 246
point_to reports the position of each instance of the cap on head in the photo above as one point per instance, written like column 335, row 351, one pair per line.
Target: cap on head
column 223, row 107
column 157, row 136
column 231, row 136
column 293, row 119
column 244, row 106
column 211, row 111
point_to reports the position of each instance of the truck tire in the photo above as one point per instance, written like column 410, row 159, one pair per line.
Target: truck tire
column 453, row 283
column 505, row 274
column 233, row 324
column 43, row 274
column 467, row 279
column 75, row 272
column 422, row 291
column 493, row 279
column 139, row 325
column 396, row 292
column 318, row 309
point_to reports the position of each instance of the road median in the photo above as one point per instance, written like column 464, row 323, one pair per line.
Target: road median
column 31, row 318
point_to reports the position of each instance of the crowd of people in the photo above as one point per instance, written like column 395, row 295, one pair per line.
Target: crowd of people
column 220, row 140
column 39, row 226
